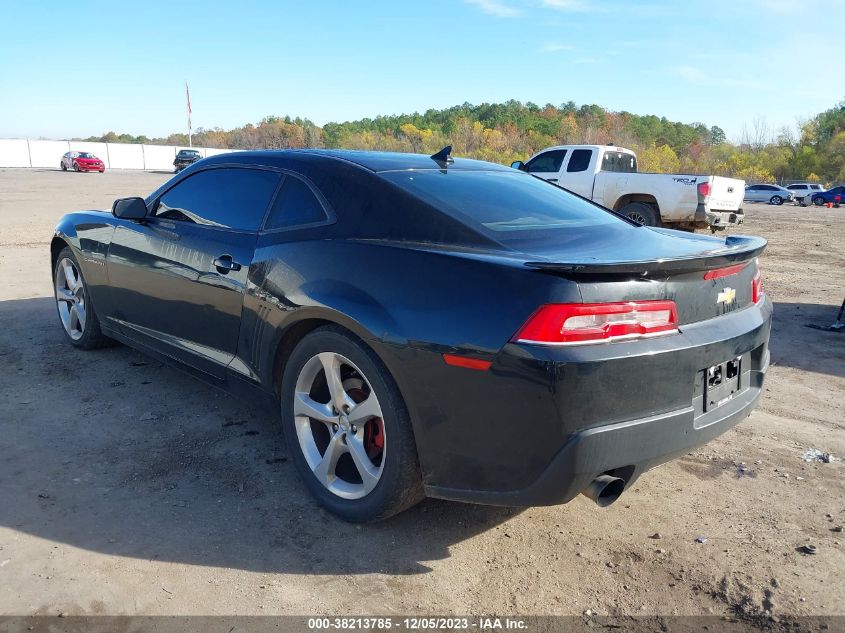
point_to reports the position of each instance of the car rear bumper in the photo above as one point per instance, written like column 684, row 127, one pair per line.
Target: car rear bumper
column 625, row 449
column 706, row 217
column 553, row 419
column 91, row 167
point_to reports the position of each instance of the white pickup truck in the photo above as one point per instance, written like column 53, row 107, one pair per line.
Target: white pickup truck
column 608, row 175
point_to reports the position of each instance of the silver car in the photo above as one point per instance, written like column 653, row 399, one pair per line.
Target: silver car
column 773, row 194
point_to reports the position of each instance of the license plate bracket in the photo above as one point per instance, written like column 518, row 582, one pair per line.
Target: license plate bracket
column 722, row 383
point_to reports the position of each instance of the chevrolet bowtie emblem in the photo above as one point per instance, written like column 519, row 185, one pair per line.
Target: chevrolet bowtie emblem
column 727, row 296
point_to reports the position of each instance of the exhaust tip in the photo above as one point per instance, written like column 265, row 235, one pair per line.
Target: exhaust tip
column 604, row 490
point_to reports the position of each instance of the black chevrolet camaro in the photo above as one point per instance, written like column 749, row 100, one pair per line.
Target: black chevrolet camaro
column 427, row 326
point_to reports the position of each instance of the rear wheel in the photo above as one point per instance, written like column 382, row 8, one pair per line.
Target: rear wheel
column 76, row 312
column 641, row 213
column 63, row 166
column 348, row 429
column 776, row 200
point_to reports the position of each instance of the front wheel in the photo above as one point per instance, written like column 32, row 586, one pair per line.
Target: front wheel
column 347, row 428
column 75, row 166
column 76, row 312
column 776, row 200
column 641, row 213
column 63, row 166
column 819, row 202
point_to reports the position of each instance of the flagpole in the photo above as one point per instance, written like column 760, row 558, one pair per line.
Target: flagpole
column 188, row 99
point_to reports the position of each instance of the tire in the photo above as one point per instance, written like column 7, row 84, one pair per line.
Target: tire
column 63, row 166
column 641, row 213
column 336, row 479
column 776, row 200
column 75, row 166
column 83, row 331
column 819, row 202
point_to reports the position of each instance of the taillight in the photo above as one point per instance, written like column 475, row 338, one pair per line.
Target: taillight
column 757, row 288
column 704, row 189
column 581, row 323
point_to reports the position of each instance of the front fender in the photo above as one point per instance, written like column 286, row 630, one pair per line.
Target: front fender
column 88, row 234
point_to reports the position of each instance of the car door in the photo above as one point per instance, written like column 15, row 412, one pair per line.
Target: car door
column 579, row 174
column 178, row 278
column 546, row 165
column 759, row 193
column 750, row 193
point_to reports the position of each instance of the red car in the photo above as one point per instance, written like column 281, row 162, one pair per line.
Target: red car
column 82, row 161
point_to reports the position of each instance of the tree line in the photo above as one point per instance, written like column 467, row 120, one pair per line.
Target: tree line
column 504, row 132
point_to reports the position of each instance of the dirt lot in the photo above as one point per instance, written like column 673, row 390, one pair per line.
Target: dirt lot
column 129, row 488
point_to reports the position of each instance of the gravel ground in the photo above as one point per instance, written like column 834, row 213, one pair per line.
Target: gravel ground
column 127, row 487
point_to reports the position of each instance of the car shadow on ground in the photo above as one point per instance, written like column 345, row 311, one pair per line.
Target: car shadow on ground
column 804, row 346
column 113, row 452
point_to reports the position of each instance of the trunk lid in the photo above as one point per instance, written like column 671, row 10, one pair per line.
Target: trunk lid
column 705, row 276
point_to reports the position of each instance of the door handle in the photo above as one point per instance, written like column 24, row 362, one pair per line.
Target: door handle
column 224, row 264
column 552, row 179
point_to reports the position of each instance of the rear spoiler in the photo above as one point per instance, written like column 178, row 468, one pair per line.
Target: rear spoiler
column 737, row 249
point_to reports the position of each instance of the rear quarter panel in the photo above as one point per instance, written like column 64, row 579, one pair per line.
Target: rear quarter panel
column 676, row 195
column 409, row 305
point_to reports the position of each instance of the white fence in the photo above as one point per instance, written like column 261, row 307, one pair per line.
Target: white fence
column 21, row 152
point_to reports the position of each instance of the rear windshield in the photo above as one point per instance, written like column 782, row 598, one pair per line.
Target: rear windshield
column 86, row 155
column 507, row 206
column 619, row 162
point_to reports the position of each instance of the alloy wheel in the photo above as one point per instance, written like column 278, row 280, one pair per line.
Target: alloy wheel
column 70, row 297
column 339, row 425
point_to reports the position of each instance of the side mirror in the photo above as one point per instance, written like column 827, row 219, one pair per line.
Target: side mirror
column 129, row 208
column 518, row 164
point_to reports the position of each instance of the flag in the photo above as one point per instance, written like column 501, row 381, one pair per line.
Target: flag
column 188, row 100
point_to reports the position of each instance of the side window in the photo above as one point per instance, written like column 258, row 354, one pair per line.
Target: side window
column 579, row 160
column 547, row 161
column 296, row 205
column 228, row 198
column 794, row 187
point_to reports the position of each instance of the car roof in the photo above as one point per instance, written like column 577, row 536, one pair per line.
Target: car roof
column 373, row 161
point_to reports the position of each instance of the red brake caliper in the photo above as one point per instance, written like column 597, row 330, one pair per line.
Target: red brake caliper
column 373, row 430
column 374, row 437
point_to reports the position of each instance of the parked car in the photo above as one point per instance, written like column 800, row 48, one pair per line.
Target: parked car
column 81, row 161
column 608, row 175
column 803, row 191
column 830, row 195
column 185, row 157
column 773, row 194
column 456, row 329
